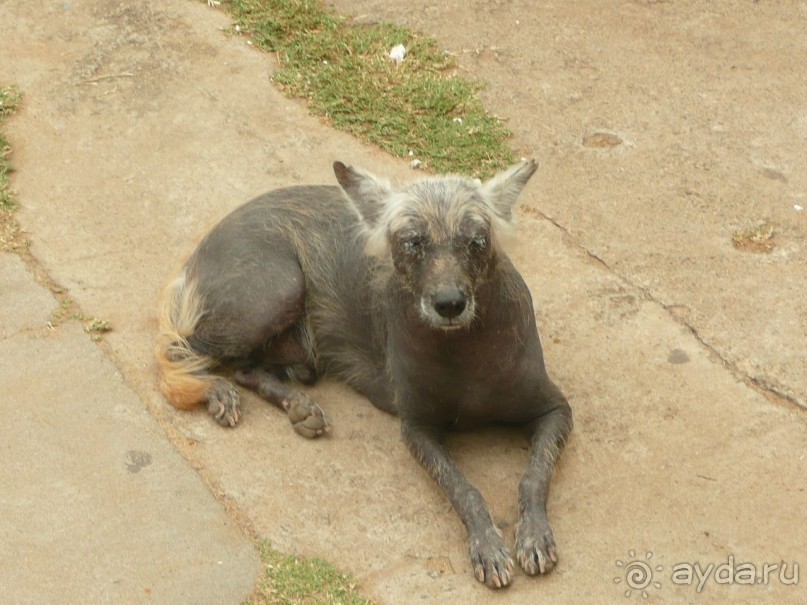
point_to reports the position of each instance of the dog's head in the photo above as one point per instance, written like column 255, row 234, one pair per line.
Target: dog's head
column 442, row 235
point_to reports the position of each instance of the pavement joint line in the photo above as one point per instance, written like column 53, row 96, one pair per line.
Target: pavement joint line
column 759, row 384
column 72, row 310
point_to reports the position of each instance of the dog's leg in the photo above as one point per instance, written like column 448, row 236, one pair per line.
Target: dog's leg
column 306, row 417
column 535, row 545
column 489, row 556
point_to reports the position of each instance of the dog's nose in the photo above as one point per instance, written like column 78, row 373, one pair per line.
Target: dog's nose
column 449, row 302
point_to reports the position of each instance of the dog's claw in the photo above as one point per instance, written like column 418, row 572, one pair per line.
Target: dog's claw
column 222, row 403
column 535, row 548
column 491, row 561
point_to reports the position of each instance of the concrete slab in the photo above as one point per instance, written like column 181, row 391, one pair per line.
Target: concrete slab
column 24, row 305
column 97, row 507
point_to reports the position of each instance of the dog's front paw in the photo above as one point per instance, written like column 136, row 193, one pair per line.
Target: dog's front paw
column 306, row 417
column 491, row 560
column 535, row 547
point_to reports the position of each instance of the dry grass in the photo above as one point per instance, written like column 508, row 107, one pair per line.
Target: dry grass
column 11, row 236
column 759, row 239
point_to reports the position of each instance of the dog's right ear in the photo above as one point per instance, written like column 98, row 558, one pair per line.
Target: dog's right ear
column 367, row 192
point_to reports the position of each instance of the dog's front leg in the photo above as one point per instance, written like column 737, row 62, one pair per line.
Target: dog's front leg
column 535, row 544
column 489, row 556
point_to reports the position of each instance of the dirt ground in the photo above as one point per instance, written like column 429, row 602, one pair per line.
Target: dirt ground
column 684, row 358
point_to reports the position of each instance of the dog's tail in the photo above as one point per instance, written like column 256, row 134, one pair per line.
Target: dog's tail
column 184, row 374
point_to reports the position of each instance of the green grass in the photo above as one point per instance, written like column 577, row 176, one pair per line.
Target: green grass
column 344, row 72
column 9, row 99
column 289, row 580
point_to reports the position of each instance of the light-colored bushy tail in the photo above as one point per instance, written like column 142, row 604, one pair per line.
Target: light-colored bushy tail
column 184, row 374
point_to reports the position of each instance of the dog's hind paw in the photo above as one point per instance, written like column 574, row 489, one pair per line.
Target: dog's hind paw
column 222, row 403
column 306, row 417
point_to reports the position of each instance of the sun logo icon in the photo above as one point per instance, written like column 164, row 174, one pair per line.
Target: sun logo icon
column 638, row 574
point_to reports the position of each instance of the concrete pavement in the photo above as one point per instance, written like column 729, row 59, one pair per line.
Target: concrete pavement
column 96, row 506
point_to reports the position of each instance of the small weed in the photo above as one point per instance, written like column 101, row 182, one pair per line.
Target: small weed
column 419, row 108
column 63, row 312
column 757, row 239
column 96, row 327
column 68, row 310
column 289, row 580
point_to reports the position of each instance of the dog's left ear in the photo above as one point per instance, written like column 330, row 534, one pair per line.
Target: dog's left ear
column 502, row 191
column 367, row 192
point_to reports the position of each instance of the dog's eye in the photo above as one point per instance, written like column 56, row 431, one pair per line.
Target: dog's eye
column 413, row 244
column 479, row 242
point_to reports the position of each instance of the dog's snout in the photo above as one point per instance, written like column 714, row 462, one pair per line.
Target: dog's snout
column 449, row 302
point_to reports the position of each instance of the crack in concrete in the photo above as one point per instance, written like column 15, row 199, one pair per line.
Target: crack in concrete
column 761, row 384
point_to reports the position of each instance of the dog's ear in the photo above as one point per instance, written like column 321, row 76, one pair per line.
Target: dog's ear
column 369, row 196
column 367, row 192
column 502, row 191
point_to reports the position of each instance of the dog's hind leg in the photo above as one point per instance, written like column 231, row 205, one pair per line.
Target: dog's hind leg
column 185, row 372
column 305, row 416
column 227, row 307
column 535, row 544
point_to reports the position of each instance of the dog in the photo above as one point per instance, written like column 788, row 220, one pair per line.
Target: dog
column 406, row 294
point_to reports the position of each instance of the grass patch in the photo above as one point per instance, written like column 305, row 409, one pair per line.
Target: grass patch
column 289, row 580
column 418, row 108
